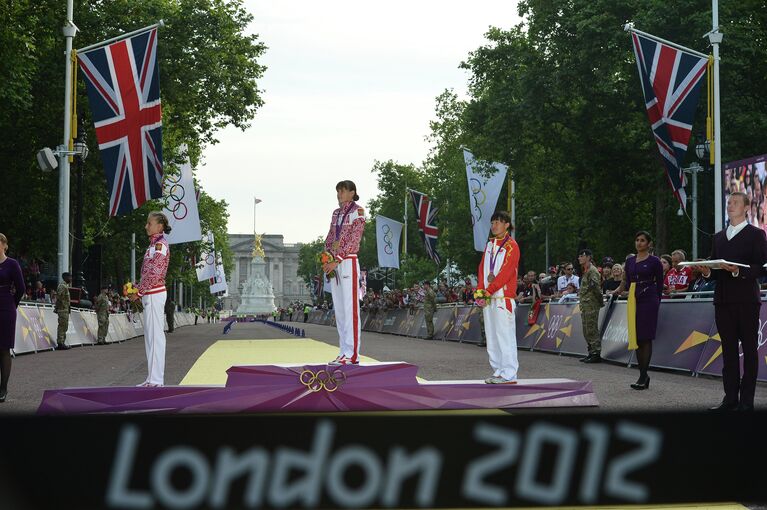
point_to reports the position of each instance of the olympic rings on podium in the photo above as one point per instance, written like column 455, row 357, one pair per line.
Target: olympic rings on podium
column 326, row 380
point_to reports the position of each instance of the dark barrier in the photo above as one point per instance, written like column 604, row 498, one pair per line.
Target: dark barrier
column 710, row 361
column 348, row 461
column 686, row 339
column 558, row 329
column 464, row 325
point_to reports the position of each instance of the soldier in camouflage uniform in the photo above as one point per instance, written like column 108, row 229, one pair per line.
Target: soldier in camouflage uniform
column 102, row 305
column 590, row 296
column 62, row 310
column 429, row 307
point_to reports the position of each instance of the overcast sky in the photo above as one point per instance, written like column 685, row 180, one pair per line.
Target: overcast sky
column 348, row 83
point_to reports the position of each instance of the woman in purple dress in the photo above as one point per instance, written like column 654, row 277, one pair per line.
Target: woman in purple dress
column 11, row 291
column 643, row 276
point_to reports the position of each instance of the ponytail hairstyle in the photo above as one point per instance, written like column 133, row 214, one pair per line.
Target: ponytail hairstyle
column 348, row 186
column 160, row 218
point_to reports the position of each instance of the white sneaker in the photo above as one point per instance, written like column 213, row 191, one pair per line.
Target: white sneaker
column 500, row 380
column 340, row 360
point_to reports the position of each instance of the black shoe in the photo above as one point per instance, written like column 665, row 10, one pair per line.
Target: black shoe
column 593, row 358
column 745, row 408
column 482, row 345
column 584, row 358
column 642, row 383
column 62, row 347
column 724, row 407
column 4, row 393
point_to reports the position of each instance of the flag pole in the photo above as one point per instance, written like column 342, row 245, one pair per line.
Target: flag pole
column 69, row 30
column 715, row 38
column 513, row 200
column 629, row 27
column 404, row 244
column 160, row 23
column 133, row 258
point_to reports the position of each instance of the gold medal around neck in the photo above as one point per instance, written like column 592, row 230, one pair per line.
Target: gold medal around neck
column 490, row 278
column 336, row 245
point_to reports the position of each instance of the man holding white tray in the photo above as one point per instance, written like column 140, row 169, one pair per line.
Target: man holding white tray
column 741, row 251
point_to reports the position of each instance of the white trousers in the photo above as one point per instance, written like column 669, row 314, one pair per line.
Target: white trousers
column 501, row 333
column 154, row 336
column 346, row 304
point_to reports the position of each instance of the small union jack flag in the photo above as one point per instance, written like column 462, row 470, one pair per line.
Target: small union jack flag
column 426, row 218
column 123, row 83
column 671, row 83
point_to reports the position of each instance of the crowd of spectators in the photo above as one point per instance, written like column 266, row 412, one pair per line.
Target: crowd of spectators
column 411, row 298
column 559, row 284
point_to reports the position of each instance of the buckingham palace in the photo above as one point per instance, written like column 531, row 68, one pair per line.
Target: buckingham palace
column 281, row 268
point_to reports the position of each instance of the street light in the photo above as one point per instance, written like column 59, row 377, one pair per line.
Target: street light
column 702, row 151
column 546, row 220
column 80, row 149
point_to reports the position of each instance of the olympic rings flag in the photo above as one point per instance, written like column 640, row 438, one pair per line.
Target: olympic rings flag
column 206, row 267
column 218, row 282
column 388, row 233
column 484, row 191
column 180, row 205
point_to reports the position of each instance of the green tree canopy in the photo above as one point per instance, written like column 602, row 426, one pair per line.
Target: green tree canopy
column 208, row 79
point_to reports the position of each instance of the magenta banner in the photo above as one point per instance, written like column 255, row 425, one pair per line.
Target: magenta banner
column 686, row 339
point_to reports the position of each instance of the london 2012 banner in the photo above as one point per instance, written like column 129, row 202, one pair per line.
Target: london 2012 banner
column 748, row 176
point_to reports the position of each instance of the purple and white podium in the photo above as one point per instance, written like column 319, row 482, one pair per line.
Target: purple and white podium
column 321, row 388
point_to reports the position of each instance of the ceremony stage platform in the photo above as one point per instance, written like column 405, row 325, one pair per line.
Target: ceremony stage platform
column 391, row 386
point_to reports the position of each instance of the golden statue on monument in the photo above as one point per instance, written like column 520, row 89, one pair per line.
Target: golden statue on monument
column 258, row 250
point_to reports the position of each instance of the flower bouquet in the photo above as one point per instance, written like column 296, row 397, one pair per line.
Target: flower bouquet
column 130, row 290
column 325, row 258
column 481, row 296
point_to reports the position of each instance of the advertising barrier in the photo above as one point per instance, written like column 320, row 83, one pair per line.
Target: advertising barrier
column 686, row 338
column 36, row 327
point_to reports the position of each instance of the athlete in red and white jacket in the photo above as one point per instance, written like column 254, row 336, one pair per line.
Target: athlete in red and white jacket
column 497, row 274
column 155, row 266
column 343, row 241
column 151, row 290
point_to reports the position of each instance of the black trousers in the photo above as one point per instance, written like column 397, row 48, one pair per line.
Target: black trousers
column 738, row 323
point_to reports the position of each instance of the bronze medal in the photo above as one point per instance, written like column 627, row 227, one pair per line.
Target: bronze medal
column 336, row 245
column 490, row 278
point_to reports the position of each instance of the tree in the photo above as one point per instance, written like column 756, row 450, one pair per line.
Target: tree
column 209, row 70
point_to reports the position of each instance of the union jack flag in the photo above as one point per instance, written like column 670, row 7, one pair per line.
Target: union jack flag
column 123, row 83
column 426, row 218
column 671, row 83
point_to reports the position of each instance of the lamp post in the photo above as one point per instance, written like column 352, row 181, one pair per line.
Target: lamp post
column 546, row 222
column 81, row 153
column 702, row 152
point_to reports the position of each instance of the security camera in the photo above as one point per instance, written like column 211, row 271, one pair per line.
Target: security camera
column 46, row 160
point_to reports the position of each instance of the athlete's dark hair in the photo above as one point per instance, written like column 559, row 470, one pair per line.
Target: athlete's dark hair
column 502, row 216
column 348, row 186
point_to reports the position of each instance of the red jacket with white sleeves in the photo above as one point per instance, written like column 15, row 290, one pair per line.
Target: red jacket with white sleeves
column 350, row 231
column 154, row 266
column 504, row 284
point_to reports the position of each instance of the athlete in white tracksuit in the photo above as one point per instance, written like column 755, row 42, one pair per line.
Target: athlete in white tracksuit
column 343, row 241
column 151, row 290
column 497, row 274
